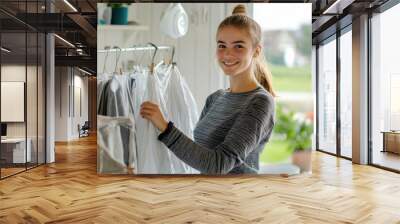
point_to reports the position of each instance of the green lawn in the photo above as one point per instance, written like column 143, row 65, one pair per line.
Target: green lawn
column 285, row 79
column 297, row 79
column 275, row 151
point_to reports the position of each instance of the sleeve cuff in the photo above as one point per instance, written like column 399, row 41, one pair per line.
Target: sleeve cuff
column 170, row 136
column 168, row 130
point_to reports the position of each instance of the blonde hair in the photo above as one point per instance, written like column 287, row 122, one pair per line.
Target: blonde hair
column 240, row 20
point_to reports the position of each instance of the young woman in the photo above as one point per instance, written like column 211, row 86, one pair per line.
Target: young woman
column 236, row 123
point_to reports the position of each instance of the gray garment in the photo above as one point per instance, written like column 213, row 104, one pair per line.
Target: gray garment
column 116, row 97
column 231, row 133
column 116, row 101
column 102, row 80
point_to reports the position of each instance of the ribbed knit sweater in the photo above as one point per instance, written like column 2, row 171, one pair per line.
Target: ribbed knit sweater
column 231, row 133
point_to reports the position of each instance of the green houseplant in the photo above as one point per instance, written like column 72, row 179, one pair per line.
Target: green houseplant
column 297, row 134
column 119, row 13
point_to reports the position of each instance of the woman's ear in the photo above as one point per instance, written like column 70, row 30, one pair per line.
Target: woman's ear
column 257, row 51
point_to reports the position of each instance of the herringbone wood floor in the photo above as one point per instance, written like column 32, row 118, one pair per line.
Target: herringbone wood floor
column 70, row 191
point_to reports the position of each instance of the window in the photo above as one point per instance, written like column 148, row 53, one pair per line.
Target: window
column 287, row 48
column 385, row 88
column 327, row 96
column 346, row 94
column 22, row 69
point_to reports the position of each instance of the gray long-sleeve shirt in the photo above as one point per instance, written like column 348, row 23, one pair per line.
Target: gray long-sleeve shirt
column 115, row 101
column 230, row 135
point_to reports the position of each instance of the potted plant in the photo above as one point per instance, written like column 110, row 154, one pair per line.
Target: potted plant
column 119, row 15
column 297, row 132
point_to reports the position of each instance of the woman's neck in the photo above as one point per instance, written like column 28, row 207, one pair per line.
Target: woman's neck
column 242, row 83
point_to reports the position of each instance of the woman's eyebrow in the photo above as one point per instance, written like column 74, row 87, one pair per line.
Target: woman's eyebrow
column 234, row 42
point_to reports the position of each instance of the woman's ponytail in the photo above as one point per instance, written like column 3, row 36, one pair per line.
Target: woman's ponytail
column 263, row 74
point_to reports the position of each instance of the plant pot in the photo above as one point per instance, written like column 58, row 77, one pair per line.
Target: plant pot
column 302, row 159
column 119, row 16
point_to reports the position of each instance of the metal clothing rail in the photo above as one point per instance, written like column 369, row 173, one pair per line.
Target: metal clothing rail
column 150, row 46
column 141, row 48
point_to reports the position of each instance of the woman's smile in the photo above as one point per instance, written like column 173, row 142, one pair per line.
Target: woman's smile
column 230, row 64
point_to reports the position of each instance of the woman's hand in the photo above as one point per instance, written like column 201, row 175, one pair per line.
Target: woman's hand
column 152, row 112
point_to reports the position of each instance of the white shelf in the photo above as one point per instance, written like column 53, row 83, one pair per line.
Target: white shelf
column 122, row 28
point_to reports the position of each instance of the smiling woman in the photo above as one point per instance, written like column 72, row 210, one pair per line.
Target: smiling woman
column 235, row 124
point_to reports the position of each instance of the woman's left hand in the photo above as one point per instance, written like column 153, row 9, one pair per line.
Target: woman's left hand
column 152, row 112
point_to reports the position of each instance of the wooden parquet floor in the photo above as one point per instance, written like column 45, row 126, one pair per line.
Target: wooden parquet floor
column 10, row 171
column 70, row 191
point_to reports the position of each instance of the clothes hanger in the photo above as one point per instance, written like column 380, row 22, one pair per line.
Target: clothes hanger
column 107, row 48
column 172, row 56
column 117, row 57
column 169, row 60
column 152, row 65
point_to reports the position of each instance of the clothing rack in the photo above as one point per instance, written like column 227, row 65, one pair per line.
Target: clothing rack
column 140, row 48
column 150, row 46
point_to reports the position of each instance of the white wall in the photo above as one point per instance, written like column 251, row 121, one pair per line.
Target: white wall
column 33, row 125
column 67, row 115
column 15, row 73
column 195, row 52
column 61, row 103
column 80, row 83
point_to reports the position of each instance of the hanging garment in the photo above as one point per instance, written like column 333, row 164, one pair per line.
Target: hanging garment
column 122, row 97
column 164, row 73
column 165, row 84
column 110, row 144
column 102, row 79
column 154, row 158
column 181, row 107
column 181, row 102
column 116, row 97
column 116, row 101
column 140, row 77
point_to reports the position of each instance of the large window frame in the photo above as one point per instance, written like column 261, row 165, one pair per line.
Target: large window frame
column 324, row 79
column 337, row 38
column 381, row 9
column 343, row 33
column 387, row 5
column 36, row 43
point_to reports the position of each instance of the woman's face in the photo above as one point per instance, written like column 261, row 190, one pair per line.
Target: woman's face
column 235, row 51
